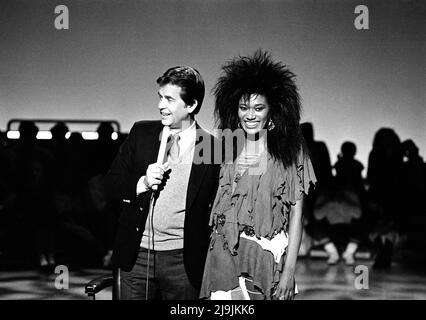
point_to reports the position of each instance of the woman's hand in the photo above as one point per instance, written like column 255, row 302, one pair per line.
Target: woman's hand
column 286, row 286
column 285, row 289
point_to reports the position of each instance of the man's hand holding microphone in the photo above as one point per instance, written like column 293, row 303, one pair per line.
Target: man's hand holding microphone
column 154, row 176
column 155, row 172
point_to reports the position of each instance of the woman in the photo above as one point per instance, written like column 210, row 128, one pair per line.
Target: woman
column 257, row 209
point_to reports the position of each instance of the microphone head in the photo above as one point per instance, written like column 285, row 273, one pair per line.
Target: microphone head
column 162, row 152
column 166, row 132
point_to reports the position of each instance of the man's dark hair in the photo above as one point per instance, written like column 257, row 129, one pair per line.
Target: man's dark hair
column 189, row 80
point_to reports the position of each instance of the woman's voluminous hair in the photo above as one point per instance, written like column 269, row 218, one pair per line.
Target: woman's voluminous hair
column 258, row 74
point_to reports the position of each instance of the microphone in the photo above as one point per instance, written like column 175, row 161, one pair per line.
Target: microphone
column 162, row 152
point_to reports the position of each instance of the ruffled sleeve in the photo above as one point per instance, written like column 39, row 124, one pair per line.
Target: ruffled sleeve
column 261, row 202
column 288, row 186
column 298, row 179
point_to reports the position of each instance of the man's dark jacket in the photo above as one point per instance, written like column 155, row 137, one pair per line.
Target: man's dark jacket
column 139, row 150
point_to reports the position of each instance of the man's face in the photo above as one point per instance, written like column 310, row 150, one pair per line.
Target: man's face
column 173, row 109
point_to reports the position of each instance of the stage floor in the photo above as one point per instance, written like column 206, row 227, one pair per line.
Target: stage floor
column 315, row 279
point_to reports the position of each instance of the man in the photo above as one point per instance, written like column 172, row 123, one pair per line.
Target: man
column 167, row 228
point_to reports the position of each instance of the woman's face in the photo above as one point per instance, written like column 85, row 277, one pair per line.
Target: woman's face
column 253, row 113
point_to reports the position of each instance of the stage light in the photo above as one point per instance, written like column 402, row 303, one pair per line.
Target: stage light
column 44, row 135
column 90, row 135
column 47, row 135
column 13, row 134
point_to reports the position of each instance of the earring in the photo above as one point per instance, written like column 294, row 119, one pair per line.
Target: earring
column 271, row 125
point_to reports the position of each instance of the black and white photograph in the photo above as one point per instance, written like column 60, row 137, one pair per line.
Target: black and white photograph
column 183, row 151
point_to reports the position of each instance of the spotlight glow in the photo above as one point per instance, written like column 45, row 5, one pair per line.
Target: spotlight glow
column 90, row 135
column 13, row 134
column 44, row 135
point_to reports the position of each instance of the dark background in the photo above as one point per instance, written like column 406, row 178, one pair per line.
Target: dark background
column 104, row 67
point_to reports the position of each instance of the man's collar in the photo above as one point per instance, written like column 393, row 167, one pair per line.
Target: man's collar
column 187, row 133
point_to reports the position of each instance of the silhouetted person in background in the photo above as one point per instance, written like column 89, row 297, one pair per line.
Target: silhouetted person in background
column 78, row 241
column 7, row 196
column 320, row 158
column 102, row 212
column 414, row 179
column 60, row 152
column 319, row 155
column 339, row 209
column 385, row 196
column 59, row 140
column 413, row 192
column 79, row 167
column 33, row 187
column 104, row 149
column 348, row 169
column 70, row 178
column 59, row 132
